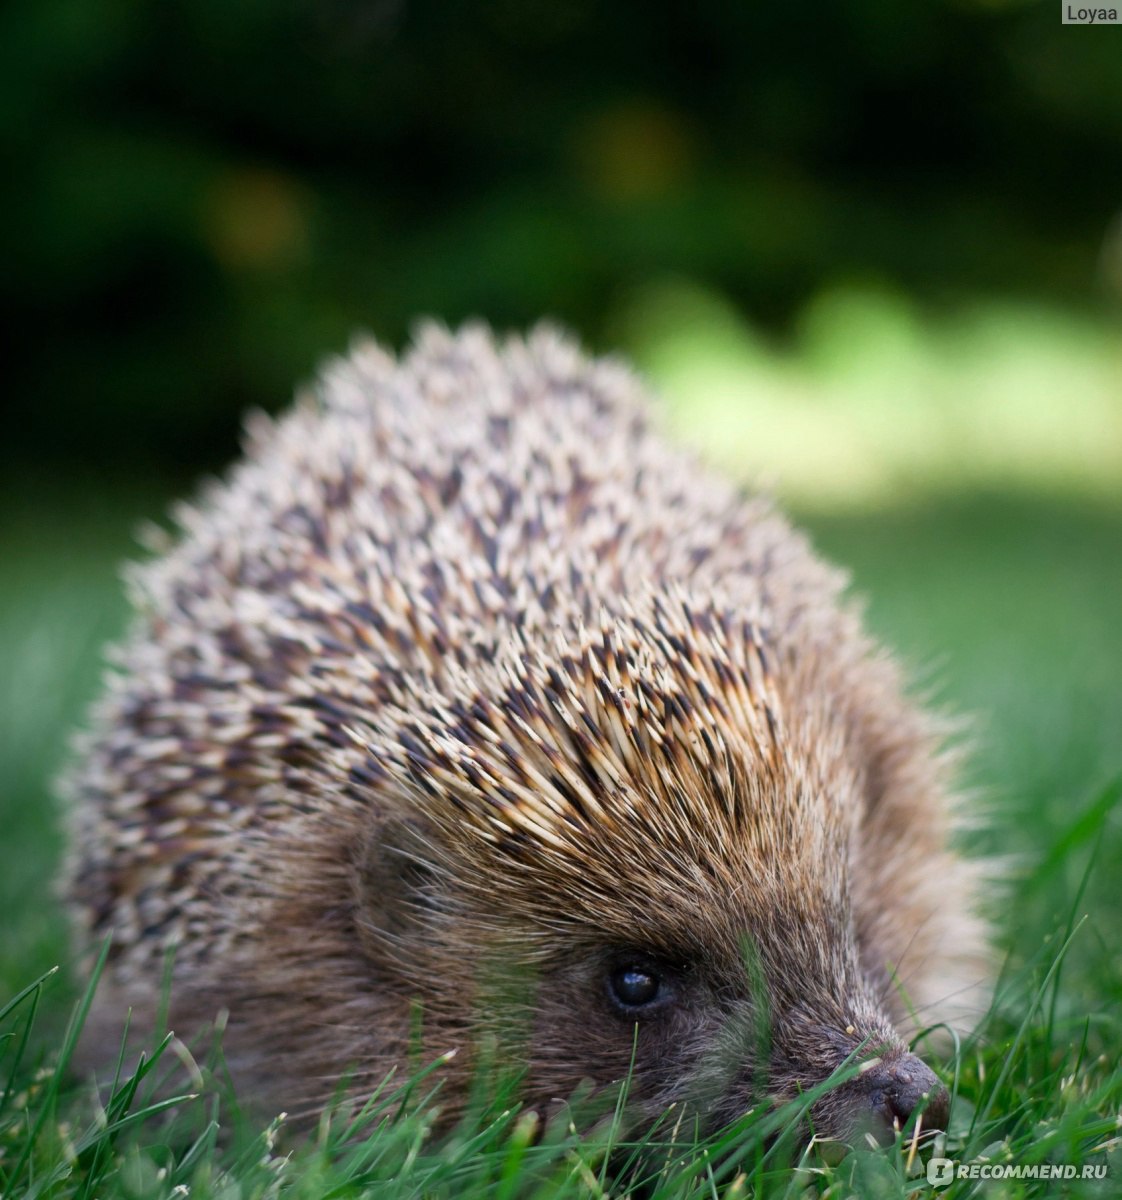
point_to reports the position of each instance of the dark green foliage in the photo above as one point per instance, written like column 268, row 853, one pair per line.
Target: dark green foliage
column 201, row 198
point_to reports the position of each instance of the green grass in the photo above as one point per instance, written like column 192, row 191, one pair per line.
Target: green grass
column 872, row 399
column 1007, row 608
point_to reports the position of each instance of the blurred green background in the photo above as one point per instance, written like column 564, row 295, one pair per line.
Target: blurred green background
column 869, row 253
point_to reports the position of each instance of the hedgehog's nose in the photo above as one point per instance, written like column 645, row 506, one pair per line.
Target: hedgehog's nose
column 895, row 1088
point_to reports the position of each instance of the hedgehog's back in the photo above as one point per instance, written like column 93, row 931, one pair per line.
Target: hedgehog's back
column 377, row 546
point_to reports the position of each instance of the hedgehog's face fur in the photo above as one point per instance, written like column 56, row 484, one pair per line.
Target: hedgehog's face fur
column 623, row 861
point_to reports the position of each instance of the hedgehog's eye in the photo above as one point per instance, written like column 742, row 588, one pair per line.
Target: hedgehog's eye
column 635, row 988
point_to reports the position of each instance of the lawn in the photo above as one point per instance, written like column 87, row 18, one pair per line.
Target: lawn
column 1004, row 603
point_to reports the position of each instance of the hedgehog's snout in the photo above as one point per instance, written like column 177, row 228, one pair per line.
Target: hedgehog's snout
column 889, row 1091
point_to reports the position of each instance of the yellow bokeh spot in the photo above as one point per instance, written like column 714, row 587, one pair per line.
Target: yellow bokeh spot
column 634, row 152
column 255, row 218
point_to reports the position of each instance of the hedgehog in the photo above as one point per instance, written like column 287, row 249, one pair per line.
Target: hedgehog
column 467, row 709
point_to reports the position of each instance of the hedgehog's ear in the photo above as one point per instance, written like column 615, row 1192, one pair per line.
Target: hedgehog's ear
column 396, row 888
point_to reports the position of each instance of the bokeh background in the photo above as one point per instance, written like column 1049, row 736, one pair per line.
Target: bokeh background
column 868, row 253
